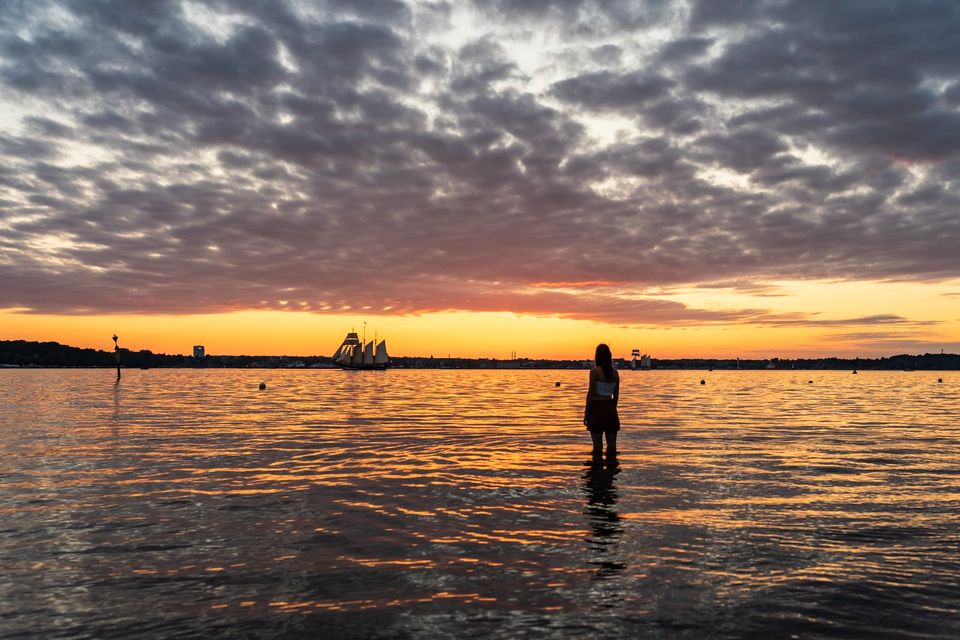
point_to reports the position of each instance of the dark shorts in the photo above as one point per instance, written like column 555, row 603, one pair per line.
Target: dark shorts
column 603, row 417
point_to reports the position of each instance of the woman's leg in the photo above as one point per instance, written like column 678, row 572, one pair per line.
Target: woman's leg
column 611, row 444
column 597, row 437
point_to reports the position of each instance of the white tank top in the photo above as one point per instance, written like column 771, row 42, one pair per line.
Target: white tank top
column 606, row 388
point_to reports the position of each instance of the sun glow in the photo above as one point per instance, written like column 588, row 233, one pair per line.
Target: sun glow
column 862, row 318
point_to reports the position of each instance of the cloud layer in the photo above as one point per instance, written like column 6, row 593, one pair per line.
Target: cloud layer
column 382, row 156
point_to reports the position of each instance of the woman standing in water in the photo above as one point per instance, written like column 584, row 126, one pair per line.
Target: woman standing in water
column 600, row 414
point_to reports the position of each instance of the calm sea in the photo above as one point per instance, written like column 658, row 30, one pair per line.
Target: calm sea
column 457, row 504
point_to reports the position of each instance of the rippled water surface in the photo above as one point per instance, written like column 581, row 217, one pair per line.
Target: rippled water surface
column 459, row 504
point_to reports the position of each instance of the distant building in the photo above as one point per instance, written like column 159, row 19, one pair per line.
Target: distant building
column 198, row 351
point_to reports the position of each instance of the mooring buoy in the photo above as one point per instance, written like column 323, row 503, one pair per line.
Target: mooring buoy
column 263, row 385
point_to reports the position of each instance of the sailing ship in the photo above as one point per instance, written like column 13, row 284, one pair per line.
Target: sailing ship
column 354, row 354
column 643, row 358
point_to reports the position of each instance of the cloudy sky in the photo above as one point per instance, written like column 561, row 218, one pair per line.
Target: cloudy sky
column 767, row 173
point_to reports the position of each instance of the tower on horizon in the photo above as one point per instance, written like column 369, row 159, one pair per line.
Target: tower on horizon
column 198, row 351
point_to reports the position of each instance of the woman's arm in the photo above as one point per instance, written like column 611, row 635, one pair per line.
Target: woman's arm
column 616, row 388
column 589, row 401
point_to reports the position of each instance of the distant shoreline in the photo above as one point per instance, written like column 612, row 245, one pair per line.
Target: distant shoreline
column 4, row 367
column 53, row 355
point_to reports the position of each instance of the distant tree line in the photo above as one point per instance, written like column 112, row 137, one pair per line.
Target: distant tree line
column 24, row 353
column 53, row 354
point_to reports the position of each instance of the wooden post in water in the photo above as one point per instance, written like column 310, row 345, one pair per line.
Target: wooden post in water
column 116, row 351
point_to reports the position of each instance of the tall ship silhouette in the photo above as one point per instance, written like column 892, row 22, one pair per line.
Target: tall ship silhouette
column 354, row 354
column 643, row 358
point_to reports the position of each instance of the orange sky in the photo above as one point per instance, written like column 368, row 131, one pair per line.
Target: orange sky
column 893, row 318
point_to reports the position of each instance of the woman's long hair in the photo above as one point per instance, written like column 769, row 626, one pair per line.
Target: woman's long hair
column 604, row 360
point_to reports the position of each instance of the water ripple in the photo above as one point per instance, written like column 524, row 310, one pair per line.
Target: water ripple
column 464, row 504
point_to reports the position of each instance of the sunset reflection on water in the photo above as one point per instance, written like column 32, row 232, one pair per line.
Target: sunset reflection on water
column 464, row 503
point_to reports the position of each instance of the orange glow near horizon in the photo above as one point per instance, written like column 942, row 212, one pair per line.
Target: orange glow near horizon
column 929, row 318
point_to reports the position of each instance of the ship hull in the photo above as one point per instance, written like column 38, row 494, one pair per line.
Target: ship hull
column 376, row 366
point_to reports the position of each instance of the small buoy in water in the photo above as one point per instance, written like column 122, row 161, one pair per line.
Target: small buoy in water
column 702, row 381
column 854, row 372
column 556, row 384
column 263, row 385
column 809, row 381
column 939, row 379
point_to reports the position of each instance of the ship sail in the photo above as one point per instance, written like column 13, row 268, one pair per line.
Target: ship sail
column 368, row 353
column 347, row 347
column 357, row 357
column 382, row 357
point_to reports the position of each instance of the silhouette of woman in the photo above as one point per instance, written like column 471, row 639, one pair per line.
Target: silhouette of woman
column 600, row 413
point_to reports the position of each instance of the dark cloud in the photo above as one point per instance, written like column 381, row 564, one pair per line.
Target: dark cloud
column 743, row 150
column 608, row 55
column 612, row 91
column 150, row 18
column 262, row 153
column 583, row 16
column 682, row 49
column 47, row 128
column 384, row 10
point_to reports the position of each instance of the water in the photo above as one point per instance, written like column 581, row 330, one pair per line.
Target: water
column 456, row 504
